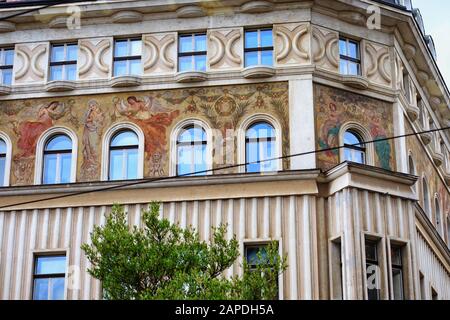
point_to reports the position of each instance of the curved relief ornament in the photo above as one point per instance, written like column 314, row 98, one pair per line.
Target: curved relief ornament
column 37, row 70
column 378, row 62
column 25, row 63
column 229, row 48
column 89, row 59
column 153, row 56
column 220, row 50
column 99, row 57
column 326, row 47
column 164, row 53
column 291, row 37
column 286, row 44
column 297, row 40
column 223, row 41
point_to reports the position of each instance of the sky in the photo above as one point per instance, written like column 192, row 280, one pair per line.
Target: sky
column 436, row 18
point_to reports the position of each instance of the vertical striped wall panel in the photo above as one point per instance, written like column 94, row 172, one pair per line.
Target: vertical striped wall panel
column 290, row 219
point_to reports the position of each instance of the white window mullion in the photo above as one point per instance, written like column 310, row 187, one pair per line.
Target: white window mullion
column 58, row 168
column 124, row 164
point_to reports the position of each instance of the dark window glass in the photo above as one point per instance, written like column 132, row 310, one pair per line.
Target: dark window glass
column 127, row 57
column 192, row 52
column 397, row 272
column 63, row 62
column 350, row 62
column 123, row 156
column 258, row 47
column 260, row 144
column 191, row 151
column 49, row 277
column 426, row 198
column 372, row 271
column 57, row 160
column 354, row 150
column 2, row 162
column 6, row 65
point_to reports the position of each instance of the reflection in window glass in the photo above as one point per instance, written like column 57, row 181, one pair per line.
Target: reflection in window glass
column 127, row 57
column 191, row 151
column 123, row 156
column 63, row 62
column 192, row 52
column 57, row 160
column 2, row 162
column 354, row 151
column 260, row 145
column 397, row 272
column 372, row 271
column 49, row 277
column 350, row 62
column 258, row 47
column 6, row 65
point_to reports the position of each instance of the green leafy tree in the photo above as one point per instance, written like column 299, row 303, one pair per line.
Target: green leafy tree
column 160, row 260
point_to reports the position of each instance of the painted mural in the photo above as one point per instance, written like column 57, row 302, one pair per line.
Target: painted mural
column 155, row 112
column 335, row 107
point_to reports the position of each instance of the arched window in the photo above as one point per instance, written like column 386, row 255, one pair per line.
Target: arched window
column 123, row 156
column 191, row 150
column 2, row 162
column 57, row 163
column 354, row 151
column 437, row 209
column 426, row 198
column 260, row 144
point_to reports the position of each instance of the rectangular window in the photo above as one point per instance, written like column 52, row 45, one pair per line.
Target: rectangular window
column 127, row 57
column 423, row 295
column 336, row 269
column 373, row 271
column 6, row 65
column 397, row 273
column 192, row 52
column 49, row 277
column 63, row 62
column 350, row 61
column 258, row 47
column 256, row 254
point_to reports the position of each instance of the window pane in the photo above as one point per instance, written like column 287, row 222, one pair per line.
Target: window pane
column 7, row 76
column 343, row 67
column 9, row 57
column 125, row 138
column 353, row 68
column 200, row 63
column 200, row 42
column 120, row 68
column 353, row 50
column 186, row 44
column 57, row 53
column 66, row 164
column 343, row 47
column 396, row 256
column 116, row 165
column 57, row 288
column 135, row 67
column 251, row 58
column 132, row 164
column 40, row 290
column 60, row 142
column 252, row 255
column 121, row 48
column 266, row 38
column 347, row 154
column 50, row 265
column 251, row 39
column 350, row 138
column 371, row 252
column 184, row 159
column 199, row 158
column 2, row 171
column 136, row 47
column 71, row 72
column 267, row 58
column 72, row 52
column 2, row 147
column 252, row 155
column 185, row 63
column 397, row 283
column 56, row 73
column 260, row 130
column 49, row 175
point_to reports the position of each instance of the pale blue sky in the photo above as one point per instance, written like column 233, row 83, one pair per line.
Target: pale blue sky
column 436, row 18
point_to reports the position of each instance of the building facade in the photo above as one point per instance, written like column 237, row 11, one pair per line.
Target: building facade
column 119, row 101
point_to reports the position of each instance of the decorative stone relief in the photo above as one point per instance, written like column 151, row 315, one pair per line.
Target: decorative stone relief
column 31, row 62
column 325, row 48
column 95, row 56
column 225, row 47
column 398, row 72
column 292, row 44
column 377, row 63
column 159, row 53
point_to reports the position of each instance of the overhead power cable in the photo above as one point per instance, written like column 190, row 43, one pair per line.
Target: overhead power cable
column 149, row 180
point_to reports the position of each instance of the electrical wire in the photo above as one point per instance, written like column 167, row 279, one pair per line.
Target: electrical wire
column 149, row 180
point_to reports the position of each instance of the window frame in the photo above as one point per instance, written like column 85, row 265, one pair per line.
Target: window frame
column 126, row 58
column 398, row 267
column 377, row 263
column 259, row 49
column 63, row 63
column 36, row 256
column 351, row 59
column 194, row 53
column 123, row 148
column 57, row 152
column 191, row 144
column 356, row 148
column 6, row 66
column 259, row 140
